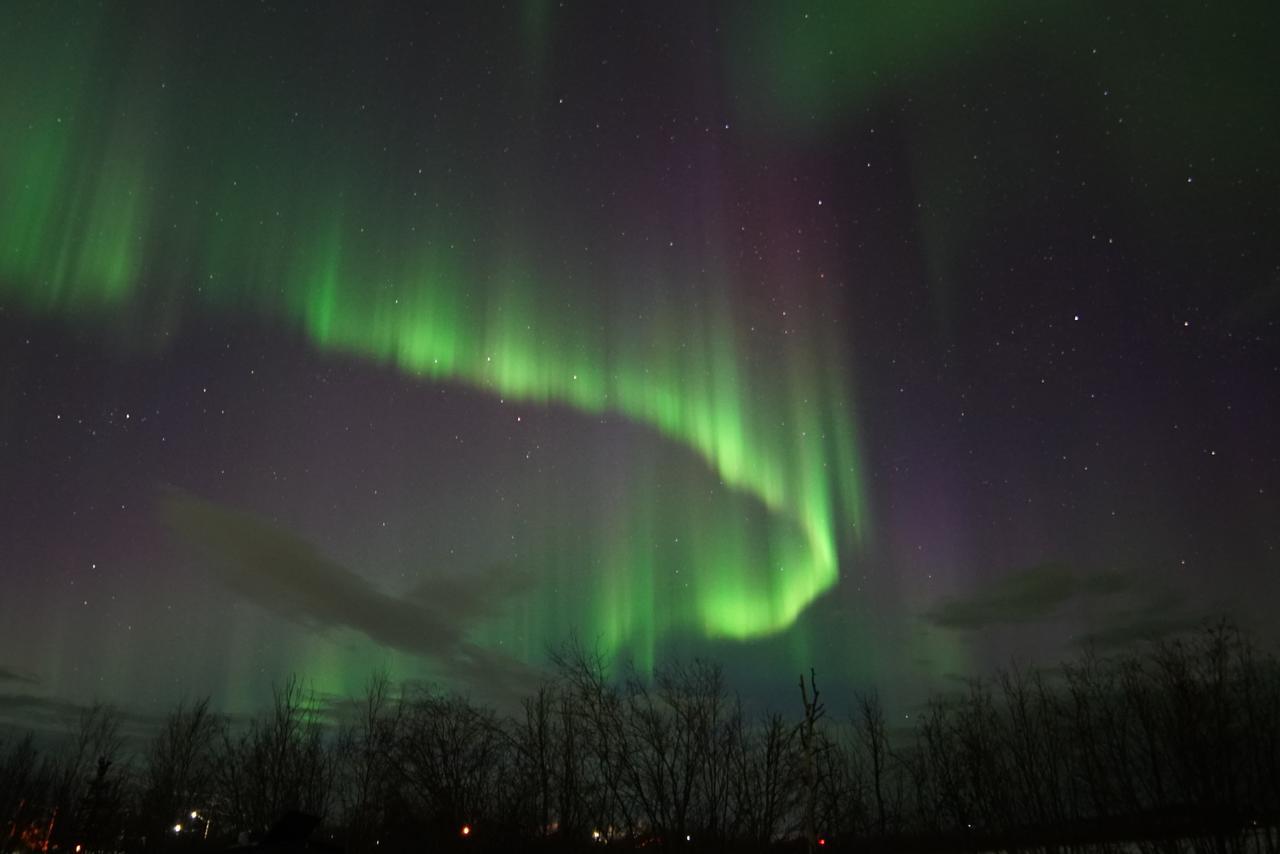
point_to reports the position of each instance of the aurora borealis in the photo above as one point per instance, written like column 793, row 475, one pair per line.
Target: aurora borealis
column 338, row 339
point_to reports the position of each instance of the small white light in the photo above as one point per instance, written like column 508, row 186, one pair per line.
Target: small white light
column 177, row 828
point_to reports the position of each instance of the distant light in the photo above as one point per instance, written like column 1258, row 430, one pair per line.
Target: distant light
column 688, row 837
column 822, row 841
column 177, row 828
column 78, row 845
column 595, row 834
column 195, row 814
column 466, row 830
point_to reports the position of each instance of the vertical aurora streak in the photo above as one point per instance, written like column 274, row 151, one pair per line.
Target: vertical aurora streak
column 778, row 335
column 123, row 215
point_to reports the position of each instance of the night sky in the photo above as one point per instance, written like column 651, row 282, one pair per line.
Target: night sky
column 896, row 339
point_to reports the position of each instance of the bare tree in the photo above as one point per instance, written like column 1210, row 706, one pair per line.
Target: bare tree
column 450, row 757
column 813, row 712
column 595, row 713
column 28, row 781
column 1174, row 746
column 177, row 769
column 532, row 740
column 365, row 765
column 874, row 740
column 765, row 772
column 280, row 763
column 89, row 777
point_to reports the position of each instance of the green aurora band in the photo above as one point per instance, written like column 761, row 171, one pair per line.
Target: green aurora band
column 108, row 221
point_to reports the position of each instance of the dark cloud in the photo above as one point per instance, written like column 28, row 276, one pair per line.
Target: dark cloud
column 56, row 717
column 288, row 576
column 1142, row 629
column 8, row 674
column 37, row 709
column 1025, row 596
column 1164, row 616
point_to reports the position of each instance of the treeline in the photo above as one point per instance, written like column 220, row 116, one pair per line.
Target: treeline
column 1173, row 749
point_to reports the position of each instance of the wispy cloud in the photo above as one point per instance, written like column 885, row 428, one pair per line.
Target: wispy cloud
column 1034, row 593
column 1127, row 611
column 10, row 674
column 38, row 710
column 286, row 575
column 1163, row 616
column 57, row 717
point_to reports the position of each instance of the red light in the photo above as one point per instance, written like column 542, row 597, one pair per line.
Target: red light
column 822, row 841
column 466, row 830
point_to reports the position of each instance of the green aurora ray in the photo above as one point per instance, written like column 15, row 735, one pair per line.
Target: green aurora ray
column 117, row 215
